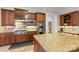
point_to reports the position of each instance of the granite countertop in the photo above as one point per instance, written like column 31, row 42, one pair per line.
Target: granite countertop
column 58, row 42
column 6, row 32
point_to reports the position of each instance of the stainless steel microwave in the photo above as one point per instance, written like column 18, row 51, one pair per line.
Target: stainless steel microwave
column 31, row 23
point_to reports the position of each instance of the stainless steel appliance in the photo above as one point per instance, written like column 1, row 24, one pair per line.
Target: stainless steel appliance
column 20, row 32
column 31, row 23
column 40, row 28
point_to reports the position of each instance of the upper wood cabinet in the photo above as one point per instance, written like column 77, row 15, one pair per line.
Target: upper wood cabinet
column 7, row 17
column 20, row 14
column 62, row 20
column 31, row 16
column 70, row 19
column 75, row 18
column 40, row 17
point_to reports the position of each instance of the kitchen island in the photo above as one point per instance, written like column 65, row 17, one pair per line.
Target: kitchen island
column 56, row 42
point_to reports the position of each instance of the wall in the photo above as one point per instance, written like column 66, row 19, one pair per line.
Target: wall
column 0, row 16
column 68, row 9
column 70, row 29
column 58, row 23
column 55, row 23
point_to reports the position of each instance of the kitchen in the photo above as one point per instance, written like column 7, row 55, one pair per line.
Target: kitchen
column 20, row 26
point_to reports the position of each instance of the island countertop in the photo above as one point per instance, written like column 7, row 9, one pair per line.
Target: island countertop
column 58, row 42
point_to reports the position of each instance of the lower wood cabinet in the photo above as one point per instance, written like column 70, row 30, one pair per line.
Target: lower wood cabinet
column 21, row 38
column 25, row 37
column 38, row 47
column 6, row 38
column 31, row 35
column 10, row 38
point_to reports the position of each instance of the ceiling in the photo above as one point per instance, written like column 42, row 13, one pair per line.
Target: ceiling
column 55, row 10
column 45, row 9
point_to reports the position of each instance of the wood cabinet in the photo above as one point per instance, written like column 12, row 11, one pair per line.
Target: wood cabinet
column 40, row 17
column 66, row 20
column 10, row 38
column 38, row 47
column 20, row 14
column 25, row 37
column 31, row 16
column 70, row 19
column 7, row 38
column 62, row 20
column 21, row 38
column 31, row 35
column 75, row 18
column 7, row 17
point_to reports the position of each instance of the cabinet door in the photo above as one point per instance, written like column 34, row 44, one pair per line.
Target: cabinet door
column 20, row 14
column 4, row 16
column 43, row 17
column 40, row 17
column 31, row 35
column 9, row 38
column 31, row 16
column 11, row 18
column 20, row 38
column 7, row 17
column 2, row 40
column 6, row 38
column 27, row 37
column 74, row 16
column 62, row 20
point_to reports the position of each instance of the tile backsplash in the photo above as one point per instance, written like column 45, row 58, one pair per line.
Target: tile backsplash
column 6, row 29
column 23, row 26
column 31, row 28
column 20, row 25
column 70, row 29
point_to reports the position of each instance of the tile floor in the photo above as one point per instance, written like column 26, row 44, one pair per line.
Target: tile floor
column 21, row 47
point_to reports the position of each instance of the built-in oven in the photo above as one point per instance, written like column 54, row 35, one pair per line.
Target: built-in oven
column 40, row 28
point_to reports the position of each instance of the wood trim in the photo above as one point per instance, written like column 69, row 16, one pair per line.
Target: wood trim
column 69, row 12
column 20, row 9
column 7, row 10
